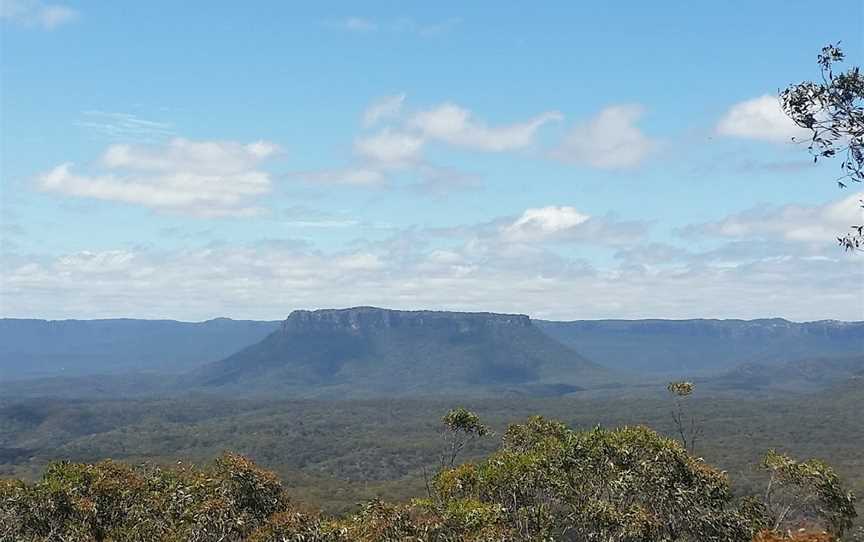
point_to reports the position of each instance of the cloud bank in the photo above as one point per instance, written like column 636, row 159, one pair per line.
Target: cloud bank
column 539, row 261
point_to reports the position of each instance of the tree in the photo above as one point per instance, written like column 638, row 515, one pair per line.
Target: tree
column 549, row 482
column 799, row 536
column 460, row 426
column 688, row 427
column 832, row 109
column 294, row 526
column 113, row 501
column 806, row 491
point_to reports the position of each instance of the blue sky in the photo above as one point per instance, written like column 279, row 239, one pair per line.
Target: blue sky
column 192, row 160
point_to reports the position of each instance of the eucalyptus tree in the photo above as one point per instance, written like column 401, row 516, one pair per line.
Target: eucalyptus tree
column 832, row 110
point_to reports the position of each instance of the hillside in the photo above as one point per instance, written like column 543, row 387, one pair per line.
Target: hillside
column 366, row 350
column 693, row 347
column 809, row 374
column 43, row 348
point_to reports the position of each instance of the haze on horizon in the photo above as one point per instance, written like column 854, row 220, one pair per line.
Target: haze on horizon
column 164, row 161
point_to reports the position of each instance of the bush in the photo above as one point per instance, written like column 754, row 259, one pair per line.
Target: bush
column 546, row 482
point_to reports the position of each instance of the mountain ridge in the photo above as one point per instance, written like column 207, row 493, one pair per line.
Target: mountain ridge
column 34, row 348
column 702, row 346
column 46, row 348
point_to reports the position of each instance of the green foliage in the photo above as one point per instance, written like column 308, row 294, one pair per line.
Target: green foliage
column 546, row 482
column 809, row 489
column 832, row 109
column 623, row 484
column 336, row 454
column 460, row 427
column 114, row 501
column 464, row 421
column 689, row 428
column 295, row 526
column 681, row 388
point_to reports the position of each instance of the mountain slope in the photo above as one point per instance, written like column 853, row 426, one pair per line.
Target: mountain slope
column 692, row 347
column 367, row 350
column 809, row 374
column 36, row 348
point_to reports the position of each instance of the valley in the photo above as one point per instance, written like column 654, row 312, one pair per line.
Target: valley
column 336, row 454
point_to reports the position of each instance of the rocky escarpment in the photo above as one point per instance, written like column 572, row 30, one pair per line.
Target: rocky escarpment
column 359, row 319
column 366, row 350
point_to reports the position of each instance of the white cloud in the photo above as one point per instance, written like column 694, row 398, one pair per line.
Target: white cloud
column 457, row 126
column 400, row 147
column 323, row 223
column 126, row 126
column 299, row 216
column 198, row 178
column 439, row 181
column 814, row 224
column 359, row 262
column 439, row 28
column 610, row 140
column 359, row 24
column 761, row 119
column 37, row 13
column 389, row 149
column 359, row 176
column 544, row 221
column 401, row 25
column 563, row 224
column 550, row 226
column 408, row 25
column 385, row 108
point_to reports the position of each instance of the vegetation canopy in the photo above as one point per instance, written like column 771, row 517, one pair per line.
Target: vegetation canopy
column 545, row 482
column 832, row 109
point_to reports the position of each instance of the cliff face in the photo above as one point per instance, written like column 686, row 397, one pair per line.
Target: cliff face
column 366, row 350
column 372, row 319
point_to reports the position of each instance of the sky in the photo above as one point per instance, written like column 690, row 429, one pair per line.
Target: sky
column 192, row 160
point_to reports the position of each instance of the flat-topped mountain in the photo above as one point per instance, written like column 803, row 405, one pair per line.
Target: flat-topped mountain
column 368, row 350
column 690, row 347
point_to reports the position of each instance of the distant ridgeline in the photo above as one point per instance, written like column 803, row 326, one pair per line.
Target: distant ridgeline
column 48, row 348
column 699, row 346
column 368, row 351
